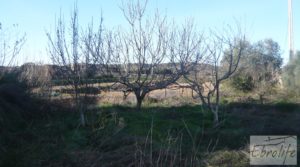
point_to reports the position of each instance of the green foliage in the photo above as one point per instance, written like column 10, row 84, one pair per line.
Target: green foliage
column 165, row 119
column 259, row 67
column 11, row 78
column 243, row 83
column 291, row 76
column 91, row 80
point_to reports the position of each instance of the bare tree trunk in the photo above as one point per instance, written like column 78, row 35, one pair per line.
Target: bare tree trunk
column 216, row 118
column 139, row 103
column 82, row 117
column 139, row 100
column 216, row 111
column 214, row 108
column 78, row 104
column 261, row 98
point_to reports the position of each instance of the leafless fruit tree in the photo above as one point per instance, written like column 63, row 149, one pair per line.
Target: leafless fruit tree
column 71, row 52
column 97, row 48
column 219, row 59
column 10, row 45
column 141, row 55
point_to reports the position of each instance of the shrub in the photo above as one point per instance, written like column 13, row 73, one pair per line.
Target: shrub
column 291, row 77
column 243, row 83
column 228, row 158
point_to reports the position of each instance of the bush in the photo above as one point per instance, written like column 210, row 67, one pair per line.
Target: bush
column 243, row 83
column 291, row 77
column 228, row 158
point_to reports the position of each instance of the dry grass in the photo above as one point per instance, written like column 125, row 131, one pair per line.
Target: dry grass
column 116, row 97
column 173, row 95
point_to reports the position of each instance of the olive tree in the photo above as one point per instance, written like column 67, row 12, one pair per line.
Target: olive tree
column 261, row 67
column 291, row 76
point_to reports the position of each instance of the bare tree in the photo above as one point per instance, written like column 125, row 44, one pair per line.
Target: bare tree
column 97, row 55
column 10, row 45
column 97, row 47
column 140, row 54
column 186, row 48
column 69, row 54
column 218, row 61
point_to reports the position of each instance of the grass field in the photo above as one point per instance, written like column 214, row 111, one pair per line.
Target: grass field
column 48, row 134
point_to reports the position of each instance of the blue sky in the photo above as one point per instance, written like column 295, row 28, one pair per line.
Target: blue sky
column 261, row 18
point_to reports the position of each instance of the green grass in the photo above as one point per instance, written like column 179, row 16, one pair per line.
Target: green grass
column 50, row 135
column 165, row 118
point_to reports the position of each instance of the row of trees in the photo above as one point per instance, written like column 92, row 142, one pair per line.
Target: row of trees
column 150, row 54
